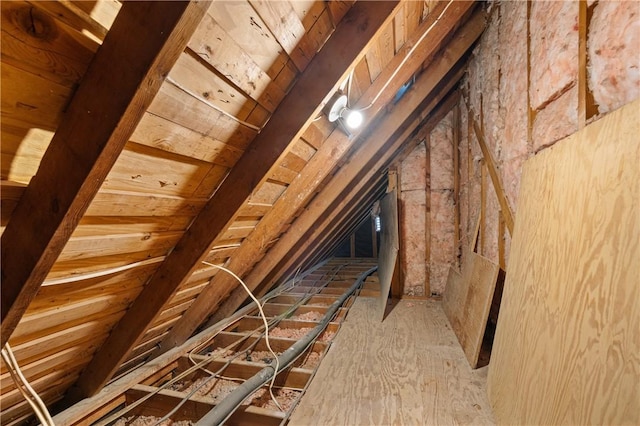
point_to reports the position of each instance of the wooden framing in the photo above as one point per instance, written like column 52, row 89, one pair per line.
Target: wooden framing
column 234, row 335
column 287, row 124
column 84, row 149
column 401, row 68
column 493, row 171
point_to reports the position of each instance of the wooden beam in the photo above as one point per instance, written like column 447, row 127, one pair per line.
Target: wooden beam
column 120, row 83
column 456, row 183
column 399, row 70
column 427, row 82
column 371, row 157
column 493, row 171
column 333, row 211
column 303, row 103
column 427, row 217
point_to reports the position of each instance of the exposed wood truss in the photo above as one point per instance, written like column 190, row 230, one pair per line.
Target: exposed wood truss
column 297, row 110
column 84, row 150
column 420, row 48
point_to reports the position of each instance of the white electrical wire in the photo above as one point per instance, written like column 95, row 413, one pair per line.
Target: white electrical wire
column 204, row 101
column 407, row 56
column 266, row 328
column 36, row 403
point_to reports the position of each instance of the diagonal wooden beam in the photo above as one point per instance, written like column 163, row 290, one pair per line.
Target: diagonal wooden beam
column 304, row 102
column 334, row 210
column 390, row 125
column 418, row 49
column 327, row 226
column 121, row 81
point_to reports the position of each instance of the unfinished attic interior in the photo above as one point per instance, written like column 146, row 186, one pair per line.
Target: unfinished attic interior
column 468, row 254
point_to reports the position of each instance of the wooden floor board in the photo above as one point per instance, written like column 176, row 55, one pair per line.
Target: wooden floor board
column 409, row 369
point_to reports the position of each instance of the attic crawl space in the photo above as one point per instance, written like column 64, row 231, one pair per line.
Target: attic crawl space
column 468, row 254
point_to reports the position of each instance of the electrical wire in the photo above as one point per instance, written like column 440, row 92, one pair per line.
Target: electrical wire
column 38, row 406
column 407, row 56
column 266, row 326
column 204, row 101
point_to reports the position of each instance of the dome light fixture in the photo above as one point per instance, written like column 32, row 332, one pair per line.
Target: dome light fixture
column 336, row 109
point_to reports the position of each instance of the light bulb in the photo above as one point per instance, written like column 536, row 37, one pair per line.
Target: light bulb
column 352, row 118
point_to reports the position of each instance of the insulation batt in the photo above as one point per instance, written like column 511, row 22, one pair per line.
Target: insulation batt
column 554, row 50
column 614, row 56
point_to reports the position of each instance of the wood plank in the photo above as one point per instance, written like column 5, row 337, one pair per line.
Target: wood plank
column 132, row 203
column 31, row 99
column 35, row 42
column 163, row 134
column 407, row 370
column 83, row 150
column 467, row 301
column 233, row 62
column 493, row 172
column 571, row 298
column 297, row 110
column 286, row 27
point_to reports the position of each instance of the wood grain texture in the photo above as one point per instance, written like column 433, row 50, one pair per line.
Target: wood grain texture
column 467, row 301
column 389, row 246
column 407, row 370
column 84, row 149
column 297, row 110
column 567, row 341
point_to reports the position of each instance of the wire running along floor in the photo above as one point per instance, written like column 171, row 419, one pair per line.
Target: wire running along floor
column 408, row 369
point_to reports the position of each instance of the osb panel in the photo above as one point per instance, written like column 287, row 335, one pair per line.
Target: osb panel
column 554, row 49
column 566, row 345
column 613, row 40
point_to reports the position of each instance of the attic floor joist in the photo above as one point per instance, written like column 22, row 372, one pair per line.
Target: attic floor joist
column 297, row 110
column 236, row 348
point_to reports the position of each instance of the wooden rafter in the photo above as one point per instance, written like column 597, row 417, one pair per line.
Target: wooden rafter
column 95, row 128
column 310, row 218
column 297, row 110
column 418, row 49
column 425, row 122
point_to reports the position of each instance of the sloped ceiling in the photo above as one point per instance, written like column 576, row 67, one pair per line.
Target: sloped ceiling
column 141, row 140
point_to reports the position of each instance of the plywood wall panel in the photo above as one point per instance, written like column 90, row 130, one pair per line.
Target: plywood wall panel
column 567, row 341
column 467, row 302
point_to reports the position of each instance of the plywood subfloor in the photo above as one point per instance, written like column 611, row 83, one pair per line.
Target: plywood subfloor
column 408, row 370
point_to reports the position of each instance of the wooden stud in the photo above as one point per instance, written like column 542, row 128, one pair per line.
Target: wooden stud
column 582, row 64
column 294, row 114
column 493, row 171
column 456, row 183
column 483, row 206
column 427, row 217
column 97, row 124
column 501, row 243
